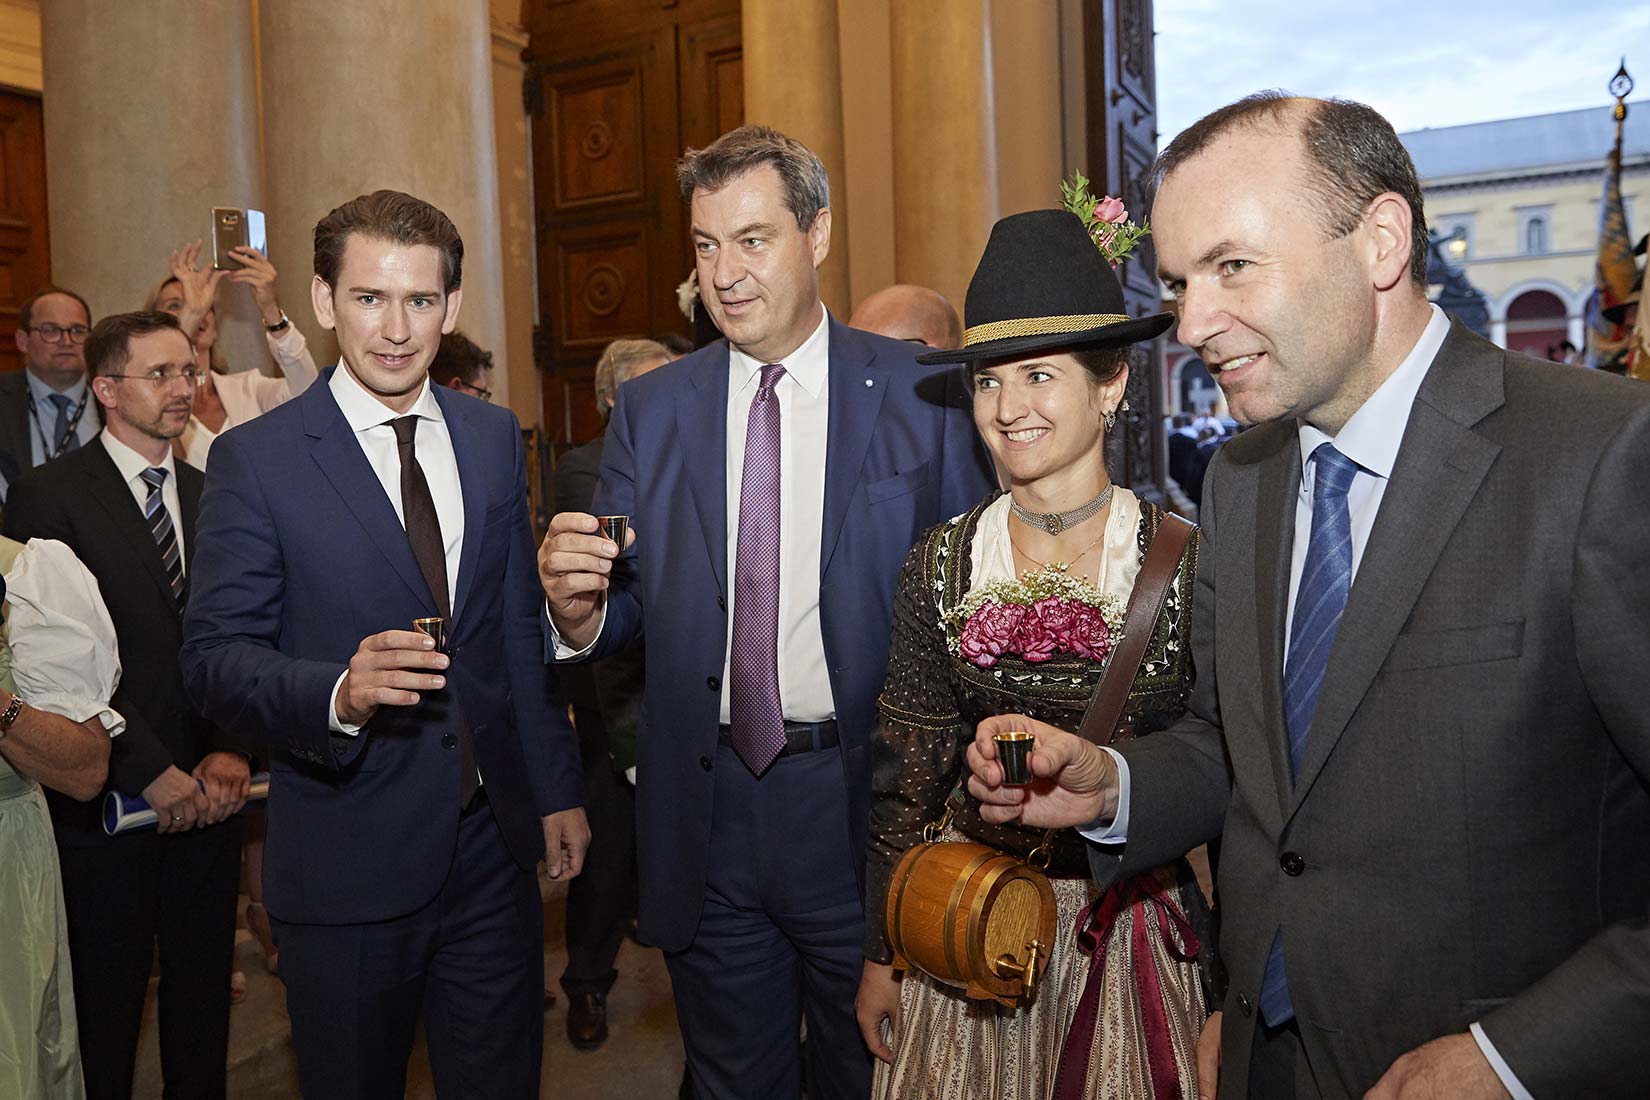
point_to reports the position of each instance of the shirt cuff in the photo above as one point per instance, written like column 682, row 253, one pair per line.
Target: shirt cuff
column 1509, row 1080
column 335, row 723
column 565, row 652
column 1115, row 831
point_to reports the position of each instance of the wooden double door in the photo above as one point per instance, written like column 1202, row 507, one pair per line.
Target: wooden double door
column 25, row 264
column 617, row 89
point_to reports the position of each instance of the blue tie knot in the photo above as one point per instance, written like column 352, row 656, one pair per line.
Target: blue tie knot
column 64, row 403
column 1334, row 472
column 155, row 476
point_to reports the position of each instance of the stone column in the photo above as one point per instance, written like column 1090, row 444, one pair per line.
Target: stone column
column 515, row 380
column 793, row 82
column 945, row 153
column 151, row 120
column 370, row 94
column 1025, row 64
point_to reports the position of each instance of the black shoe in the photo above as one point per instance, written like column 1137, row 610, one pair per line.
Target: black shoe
column 587, row 1020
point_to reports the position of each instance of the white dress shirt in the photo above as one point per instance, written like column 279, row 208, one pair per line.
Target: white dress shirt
column 248, row 393
column 43, row 415
column 370, row 420
column 65, row 658
column 804, row 417
column 131, row 466
column 804, row 414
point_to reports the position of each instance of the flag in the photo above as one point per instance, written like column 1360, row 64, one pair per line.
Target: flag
column 1613, row 275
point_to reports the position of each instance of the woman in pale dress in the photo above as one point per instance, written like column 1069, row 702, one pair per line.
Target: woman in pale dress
column 59, row 665
column 226, row 398
column 1011, row 608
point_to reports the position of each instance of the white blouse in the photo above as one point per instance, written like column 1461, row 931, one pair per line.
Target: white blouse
column 248, row 393
column 1119, row 549
column 65, row 658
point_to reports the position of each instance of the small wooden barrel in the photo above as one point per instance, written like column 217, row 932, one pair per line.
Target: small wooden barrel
column 972, row 917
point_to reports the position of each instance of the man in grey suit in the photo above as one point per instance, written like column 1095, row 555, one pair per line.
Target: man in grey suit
column 1420, row 635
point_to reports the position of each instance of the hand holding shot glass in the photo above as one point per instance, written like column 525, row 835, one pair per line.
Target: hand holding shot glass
column 1026, row 771
column 391, row 669
column 575, row 563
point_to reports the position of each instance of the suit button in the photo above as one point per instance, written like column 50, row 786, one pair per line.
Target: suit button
column 1244, row 1006
column 722, row 602
column 1292, row 863
column 713, row 683
column 448, row 741
column 704, row 762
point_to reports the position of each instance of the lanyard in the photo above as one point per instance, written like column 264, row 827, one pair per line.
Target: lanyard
column 74, row 424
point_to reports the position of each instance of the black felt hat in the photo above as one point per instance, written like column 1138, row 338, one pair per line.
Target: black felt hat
column 1043, row 284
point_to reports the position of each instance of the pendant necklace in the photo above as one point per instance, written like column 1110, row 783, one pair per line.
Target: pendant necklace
column 1055, row 522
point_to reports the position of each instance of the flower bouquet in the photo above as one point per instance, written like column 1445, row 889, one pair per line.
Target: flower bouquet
column 1036, row 617
column 1106, row 219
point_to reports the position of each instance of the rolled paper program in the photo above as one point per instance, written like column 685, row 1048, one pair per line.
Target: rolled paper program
column 1014, row 754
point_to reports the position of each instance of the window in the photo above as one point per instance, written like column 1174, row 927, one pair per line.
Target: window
column 1535, row 230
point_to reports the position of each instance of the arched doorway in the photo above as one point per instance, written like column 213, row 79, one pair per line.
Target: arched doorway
column 1536, row 321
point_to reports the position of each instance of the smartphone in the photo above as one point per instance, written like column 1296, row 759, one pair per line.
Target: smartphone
column 234, row 228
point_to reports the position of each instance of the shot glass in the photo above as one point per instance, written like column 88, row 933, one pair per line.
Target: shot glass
column 435, row 627
column 613, row 528
column 1014, row 754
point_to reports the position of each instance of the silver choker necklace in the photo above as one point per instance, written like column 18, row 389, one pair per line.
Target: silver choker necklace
column 1055, row 522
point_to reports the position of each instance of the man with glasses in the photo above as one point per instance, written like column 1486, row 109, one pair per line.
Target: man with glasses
column 128, row 510
column 47, row 410
column 460, row 364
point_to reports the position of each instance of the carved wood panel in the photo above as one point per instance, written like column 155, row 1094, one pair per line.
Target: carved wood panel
column 603, row 279
column 596, row 127
column 713, row 80
column 24, row 259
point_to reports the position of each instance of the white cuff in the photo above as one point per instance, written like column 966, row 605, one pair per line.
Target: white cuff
column 1509, row 1080
column 335, row 723
column 79, row 708
column 1115, row 831
column 565, row 652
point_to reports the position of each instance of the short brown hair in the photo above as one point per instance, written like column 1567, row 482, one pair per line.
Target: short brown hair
column 1353, row 152
column 25, row 313
column 459, row 358
column 110, row 345
column 801, row 173
column 389, row 216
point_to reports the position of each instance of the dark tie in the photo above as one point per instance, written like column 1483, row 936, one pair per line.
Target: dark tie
column 1326, row 578
column 753, row 685
column 424, row 532
column 160, row 529
column 64, row 437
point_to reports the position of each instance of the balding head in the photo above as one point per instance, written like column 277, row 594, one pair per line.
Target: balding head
column 912, row 313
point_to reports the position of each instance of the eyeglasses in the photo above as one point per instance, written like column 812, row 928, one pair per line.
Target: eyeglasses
column 158, row 377
column 54, row 334
column 485, row 395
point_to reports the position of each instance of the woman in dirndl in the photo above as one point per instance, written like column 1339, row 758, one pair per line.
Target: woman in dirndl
column 1013, row 607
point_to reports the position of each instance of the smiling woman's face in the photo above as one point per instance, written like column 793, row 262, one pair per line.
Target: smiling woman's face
column 1042, row 414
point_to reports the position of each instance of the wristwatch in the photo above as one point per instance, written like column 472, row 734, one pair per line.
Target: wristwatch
column 279, row 326
column 9, row 715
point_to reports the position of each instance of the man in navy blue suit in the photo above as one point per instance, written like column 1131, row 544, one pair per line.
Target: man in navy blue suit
column 775, row 482
column 415, row 786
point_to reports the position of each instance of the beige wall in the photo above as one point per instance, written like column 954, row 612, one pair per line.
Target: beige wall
column 515, row 378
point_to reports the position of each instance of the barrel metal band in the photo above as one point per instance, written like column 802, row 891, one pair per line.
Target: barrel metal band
column 956, row 899
column 1039, row 326
column 984, row 897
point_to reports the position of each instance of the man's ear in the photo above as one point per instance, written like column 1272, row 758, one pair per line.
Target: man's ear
column 104, row 390
column 819, row 236
column 22, row 339
column 450, row 322
column 320, row 297
column 1388, row 225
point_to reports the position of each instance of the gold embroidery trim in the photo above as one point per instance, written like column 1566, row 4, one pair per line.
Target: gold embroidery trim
column 1039, row 326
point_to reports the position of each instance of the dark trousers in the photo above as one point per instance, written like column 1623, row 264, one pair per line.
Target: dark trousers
column 1279, row 1068
column 471, row 961
column 120, row 899
column 781, row 938
column 601, row 902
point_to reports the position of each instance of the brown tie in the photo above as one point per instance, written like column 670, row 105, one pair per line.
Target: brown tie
column 424, row 532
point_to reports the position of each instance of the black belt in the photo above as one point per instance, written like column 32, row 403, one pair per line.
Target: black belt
column 800, row 737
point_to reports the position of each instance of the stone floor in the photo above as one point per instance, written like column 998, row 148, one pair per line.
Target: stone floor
column 641, row 1059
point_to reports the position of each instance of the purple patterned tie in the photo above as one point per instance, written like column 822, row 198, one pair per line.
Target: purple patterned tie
column 753, row 685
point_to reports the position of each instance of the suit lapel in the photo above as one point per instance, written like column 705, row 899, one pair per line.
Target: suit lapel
column 1440, row 465
column 856, row 393
column 702, row 417
column 115, row 497
column 343, row 463
column 1278, row 484
column 472, row 480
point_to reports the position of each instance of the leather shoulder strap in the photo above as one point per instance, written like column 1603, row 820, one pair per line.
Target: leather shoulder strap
column 1139, row 623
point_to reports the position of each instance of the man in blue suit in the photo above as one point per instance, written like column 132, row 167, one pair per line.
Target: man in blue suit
column 775, row 482
column 415, row 785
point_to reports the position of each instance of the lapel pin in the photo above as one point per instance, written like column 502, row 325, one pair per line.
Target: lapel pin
column 869, row 383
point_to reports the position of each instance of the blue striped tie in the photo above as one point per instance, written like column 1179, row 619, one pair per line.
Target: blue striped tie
column 160, row 528
column 1326, row 579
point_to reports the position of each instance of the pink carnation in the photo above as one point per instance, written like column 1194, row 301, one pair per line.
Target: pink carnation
column 1089, row 635
column 1110, row 210
column 1038, row 638
column 990, row 631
